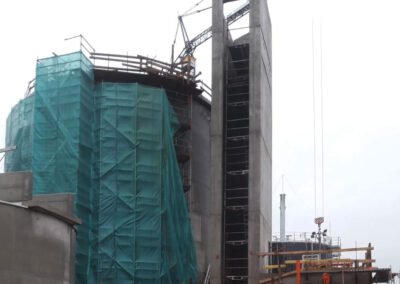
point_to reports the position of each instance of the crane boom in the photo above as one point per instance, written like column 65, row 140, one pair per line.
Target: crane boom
column 205, row 35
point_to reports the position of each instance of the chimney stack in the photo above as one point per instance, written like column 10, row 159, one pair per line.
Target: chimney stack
column 283, row 209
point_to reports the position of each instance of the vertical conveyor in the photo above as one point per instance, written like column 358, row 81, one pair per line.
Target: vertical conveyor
column 236, row 166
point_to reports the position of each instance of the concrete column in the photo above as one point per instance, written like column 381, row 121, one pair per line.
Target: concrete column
column 214, row 249
column 283, row 209
column 260, row 139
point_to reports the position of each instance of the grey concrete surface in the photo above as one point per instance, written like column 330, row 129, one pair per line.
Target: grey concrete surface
column 260, row 137
column 37, row 233
column 215, row 195
column 37, row 248
column 16, row 186
column 200, row 182
column 63, row 202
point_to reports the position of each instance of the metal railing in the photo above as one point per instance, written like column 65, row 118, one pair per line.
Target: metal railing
column 84, row 46
column 142, row 65
column 306, row 237
column 31, row 88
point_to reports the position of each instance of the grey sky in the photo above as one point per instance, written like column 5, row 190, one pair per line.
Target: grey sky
column 361, row 71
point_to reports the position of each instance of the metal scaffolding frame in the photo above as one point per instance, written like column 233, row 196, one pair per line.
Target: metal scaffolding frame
column 236, row 167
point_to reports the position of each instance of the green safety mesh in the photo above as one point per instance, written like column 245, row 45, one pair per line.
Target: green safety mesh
column 19, row 133
column 142, row 230
column 62, row 139
column 112, row 146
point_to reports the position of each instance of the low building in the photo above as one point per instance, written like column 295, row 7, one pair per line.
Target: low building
column 37, row 233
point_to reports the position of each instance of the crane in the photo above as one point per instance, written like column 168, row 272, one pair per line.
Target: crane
column 186, row 55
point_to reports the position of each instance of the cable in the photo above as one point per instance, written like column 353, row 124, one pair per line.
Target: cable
column 315, row 142
column 190, row 9
column 241, row 28
column 276, row 185
column 322, row 116
column 300, row 197
column 196, row 12
column 176, row 32
column 173, row 44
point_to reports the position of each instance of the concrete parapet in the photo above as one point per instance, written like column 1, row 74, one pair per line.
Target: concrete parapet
column 16, row 186
column 63, row 202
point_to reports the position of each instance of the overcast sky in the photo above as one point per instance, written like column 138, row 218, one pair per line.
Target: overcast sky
column 361, row 95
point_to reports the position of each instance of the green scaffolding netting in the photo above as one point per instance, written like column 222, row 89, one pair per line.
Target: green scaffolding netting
column 19, row 134
column 62, row 139
column 143, row 231
column 112, row 146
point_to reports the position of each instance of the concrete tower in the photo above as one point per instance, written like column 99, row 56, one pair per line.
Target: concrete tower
column 239, row 218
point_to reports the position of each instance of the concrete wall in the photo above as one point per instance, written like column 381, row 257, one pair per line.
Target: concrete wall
column 200, row 182
column 214, row 240
column 16, row 186
column 260, row 136
column 63, row 202
column 36, row 248
column 37, row 236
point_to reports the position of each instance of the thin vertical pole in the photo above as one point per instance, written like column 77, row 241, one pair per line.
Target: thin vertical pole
column 298, row 271
column 342, row 275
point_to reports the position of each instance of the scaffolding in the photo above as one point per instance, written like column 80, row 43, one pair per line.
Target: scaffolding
column 139, row 64
column 112, row 145
column 236, row 167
